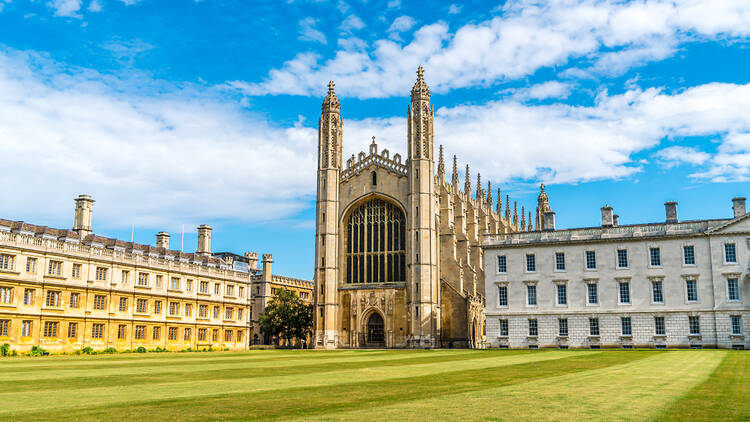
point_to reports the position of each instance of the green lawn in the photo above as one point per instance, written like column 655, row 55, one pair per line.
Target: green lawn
column 380, row 385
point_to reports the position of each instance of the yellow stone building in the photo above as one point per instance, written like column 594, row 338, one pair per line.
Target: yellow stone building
column 398, row 247
column 65, row 290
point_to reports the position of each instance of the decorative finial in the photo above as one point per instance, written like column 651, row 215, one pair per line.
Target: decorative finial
column 467, row 182
column 420, row 73
column 507, row 208
column 454, row 178
column 441, row 164
column 542, row 187
column 331, row 103
column 489, row 194
column 499, row 204
column 373, row 140
column 479, row 187
column 420, row 90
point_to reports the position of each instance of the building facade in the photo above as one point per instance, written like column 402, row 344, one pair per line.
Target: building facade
column 675, row 284
column 65, row 290
column 398, row 261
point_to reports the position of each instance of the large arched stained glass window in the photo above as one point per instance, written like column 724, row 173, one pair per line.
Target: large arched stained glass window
column 376, row 243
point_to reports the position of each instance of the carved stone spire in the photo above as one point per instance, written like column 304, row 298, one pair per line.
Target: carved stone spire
column 454, row 176
column 489, row 194
column 331, row 103
column 499, row 204
column 515, row 214
column 523, row 219
column 420, row 89
column 479, row 187
column 467, row 182
column 530, row 227
column 507, row 208
column 441, row 165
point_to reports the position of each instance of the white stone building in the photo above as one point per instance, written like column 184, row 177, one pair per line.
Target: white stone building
column 672, row 284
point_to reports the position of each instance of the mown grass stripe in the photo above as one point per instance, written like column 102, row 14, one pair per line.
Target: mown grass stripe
column 724, row 396
column 171, row 374
column 203, row 365
column 77, row 399
column 312, row 403
column 635, row 391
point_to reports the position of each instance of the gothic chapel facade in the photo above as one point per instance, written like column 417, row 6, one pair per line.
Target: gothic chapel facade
column 398, row 261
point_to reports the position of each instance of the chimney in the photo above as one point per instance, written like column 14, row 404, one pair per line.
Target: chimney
column 615, row 220
column 548, row 221
column 738, row 206
column 252, row 260
column 671, row 209
column 162, row 240
column 267, row 263
column 82, row 220
column 204, row 240
column 607, row 216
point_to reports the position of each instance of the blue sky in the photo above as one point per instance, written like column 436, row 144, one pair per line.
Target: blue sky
column 175, row 113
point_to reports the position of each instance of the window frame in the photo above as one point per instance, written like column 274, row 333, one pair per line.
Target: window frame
column 620, row 283
column 557, row 255
column 662, row 325
column 588, row 292
column 687, row 284
column 626, row 322
column 530, row 262
column 618, row 257
column 737, row 289
column 533, row 327
column 594, row 323
column 651, row 264
column 691, row 326
column 685, row 255
column 732, row 319
column 502, row 269
column 654, row 281
column 529, row 288
column 734, row 253
column 502, row 287
column 586, row 260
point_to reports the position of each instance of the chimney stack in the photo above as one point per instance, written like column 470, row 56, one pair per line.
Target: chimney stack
column 162, row 240
column 738, row 206
column 204, row 240
column 671, row 210
column 267, row 262
column 548, row 221
column 607, row 216
column 252, row 260
column 615, row 220
column 82, row 220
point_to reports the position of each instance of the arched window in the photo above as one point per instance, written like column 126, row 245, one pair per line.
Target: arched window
column 376, row 243
column 374, row 178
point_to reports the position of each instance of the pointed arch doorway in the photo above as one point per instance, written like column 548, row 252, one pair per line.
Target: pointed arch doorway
column 374, row 331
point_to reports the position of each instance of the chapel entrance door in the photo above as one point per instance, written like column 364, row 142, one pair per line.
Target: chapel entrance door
column 375, row 334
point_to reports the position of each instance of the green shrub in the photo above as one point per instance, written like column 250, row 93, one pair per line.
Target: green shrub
column 86, row 351
column 5, row 349
column 140, row 350
column 13, row 353
column 38, row 351
column 109, row 350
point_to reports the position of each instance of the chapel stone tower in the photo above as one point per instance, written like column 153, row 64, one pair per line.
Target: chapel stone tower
column 326, row 234
column 423, row 290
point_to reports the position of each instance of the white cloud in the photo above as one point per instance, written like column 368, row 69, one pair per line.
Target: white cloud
column 543, row 91
column 678, row 155
column 351, row 23
column 401, row 24
column 95, row 6
column 155, row 161
column 454, row 9
column 394, row 4
column 560, row 143
column 611, row 36
column 67, row 8
column 308, row 31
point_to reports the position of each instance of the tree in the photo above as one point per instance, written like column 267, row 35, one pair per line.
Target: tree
column 286, row 317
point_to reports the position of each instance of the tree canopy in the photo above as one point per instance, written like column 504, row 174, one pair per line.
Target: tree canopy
column 286, row 317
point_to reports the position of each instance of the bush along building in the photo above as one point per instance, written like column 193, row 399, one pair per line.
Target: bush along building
column 65, row 290
column 674, row 284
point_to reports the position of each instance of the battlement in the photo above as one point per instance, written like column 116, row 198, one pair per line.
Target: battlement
column 381, row 160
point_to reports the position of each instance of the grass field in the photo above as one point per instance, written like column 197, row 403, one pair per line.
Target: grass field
column 380, row 385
